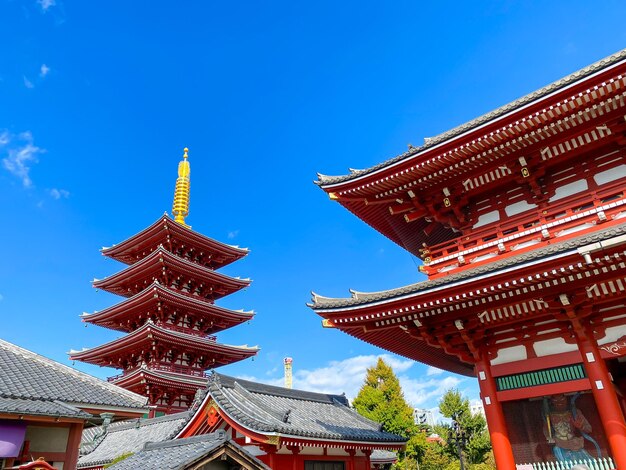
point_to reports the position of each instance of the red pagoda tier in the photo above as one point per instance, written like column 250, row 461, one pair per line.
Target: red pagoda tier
column 519, row 217
column 169, row 314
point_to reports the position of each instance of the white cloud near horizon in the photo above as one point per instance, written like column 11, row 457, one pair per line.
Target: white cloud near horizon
column 21, row 154
column 348, row 375
column 28, row 83
column 44, row 70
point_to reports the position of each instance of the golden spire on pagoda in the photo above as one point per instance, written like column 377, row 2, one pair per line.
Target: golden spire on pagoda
column 180, row 208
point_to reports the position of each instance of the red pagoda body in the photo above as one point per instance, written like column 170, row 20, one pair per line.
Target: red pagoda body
column 519, row 218
column 169, row 314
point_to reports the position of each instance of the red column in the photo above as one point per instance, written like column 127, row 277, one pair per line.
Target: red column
column 367, row 453
column 605, row 398
column 295, row 450
column 351, row 453
column 73, row 443
column 502, row 451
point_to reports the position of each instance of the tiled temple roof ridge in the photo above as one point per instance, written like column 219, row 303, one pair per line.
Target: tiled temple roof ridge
column 360, row 298
column 128, row 399
column 324, row 180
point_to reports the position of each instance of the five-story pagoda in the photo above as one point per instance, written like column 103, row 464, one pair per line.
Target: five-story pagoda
column 169, row 313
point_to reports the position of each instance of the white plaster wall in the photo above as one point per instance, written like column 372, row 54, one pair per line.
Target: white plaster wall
column 553, row 346
column 511, row 354
column 45, row 439
column 610, row 175
column 569, row 189
column 518, row 208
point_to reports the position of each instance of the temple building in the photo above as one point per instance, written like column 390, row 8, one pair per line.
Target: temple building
column 519, row 217
column 44, row 406
column 272, row 427
column 169, row 315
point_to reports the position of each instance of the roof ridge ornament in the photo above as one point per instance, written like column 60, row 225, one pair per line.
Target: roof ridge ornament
column 180, row 207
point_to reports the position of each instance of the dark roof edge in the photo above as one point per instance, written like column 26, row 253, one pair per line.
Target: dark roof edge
column 493, row 268
column 257, row 387
column 324, row 180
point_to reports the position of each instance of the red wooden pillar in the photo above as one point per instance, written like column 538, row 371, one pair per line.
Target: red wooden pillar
column 367, row 453
column 502, row 450
column 351, row 453
column 604, row 396
column 295, row 450
column 73, row 443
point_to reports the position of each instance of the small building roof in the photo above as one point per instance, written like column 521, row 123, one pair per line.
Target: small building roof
column 33, row 384
column 267, row 409
column 101, row 445
column 182, row 454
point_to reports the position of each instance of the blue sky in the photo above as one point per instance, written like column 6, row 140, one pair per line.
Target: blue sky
column 97, row 101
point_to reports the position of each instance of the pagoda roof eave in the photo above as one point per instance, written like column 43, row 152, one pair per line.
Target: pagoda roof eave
column 326, row 306
column 149, row 331
column 165, row 222
column 160, row 377
column 157, row 292
column 156, row 260
column 330, row 182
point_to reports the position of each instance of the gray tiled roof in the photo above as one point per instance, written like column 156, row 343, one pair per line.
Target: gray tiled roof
column 26, row 376
column 31, row 406
column 321, row 303
column 127, row 436
column 181, row 453
column 534, row 96
column 269, row 409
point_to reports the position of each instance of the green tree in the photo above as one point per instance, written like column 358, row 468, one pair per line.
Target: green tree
column 478, row 444
column 381, row 399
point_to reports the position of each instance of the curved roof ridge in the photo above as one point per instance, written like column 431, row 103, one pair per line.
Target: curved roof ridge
column 256, row 387
column 30, row 355
column 480, row 120
column 494, row 267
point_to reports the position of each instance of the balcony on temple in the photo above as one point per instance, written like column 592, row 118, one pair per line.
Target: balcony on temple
column 168, row 315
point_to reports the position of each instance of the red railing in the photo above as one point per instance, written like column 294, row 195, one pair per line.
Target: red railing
column 573, row 211
column 180, row 369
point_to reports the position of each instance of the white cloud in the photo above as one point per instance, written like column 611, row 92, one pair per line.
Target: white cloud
column 347, row 376
column 28, row 83
column 21, row 153
column 233, row 233
column 45, row 4
column 433, row 371
column 44, row 70
column 420, row 392
column 59, row 193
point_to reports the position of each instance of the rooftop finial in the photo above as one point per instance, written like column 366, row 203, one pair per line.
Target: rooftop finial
column 180, row 208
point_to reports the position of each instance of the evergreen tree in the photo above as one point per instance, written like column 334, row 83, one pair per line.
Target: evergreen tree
column 381, row 399
column 478, row 445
